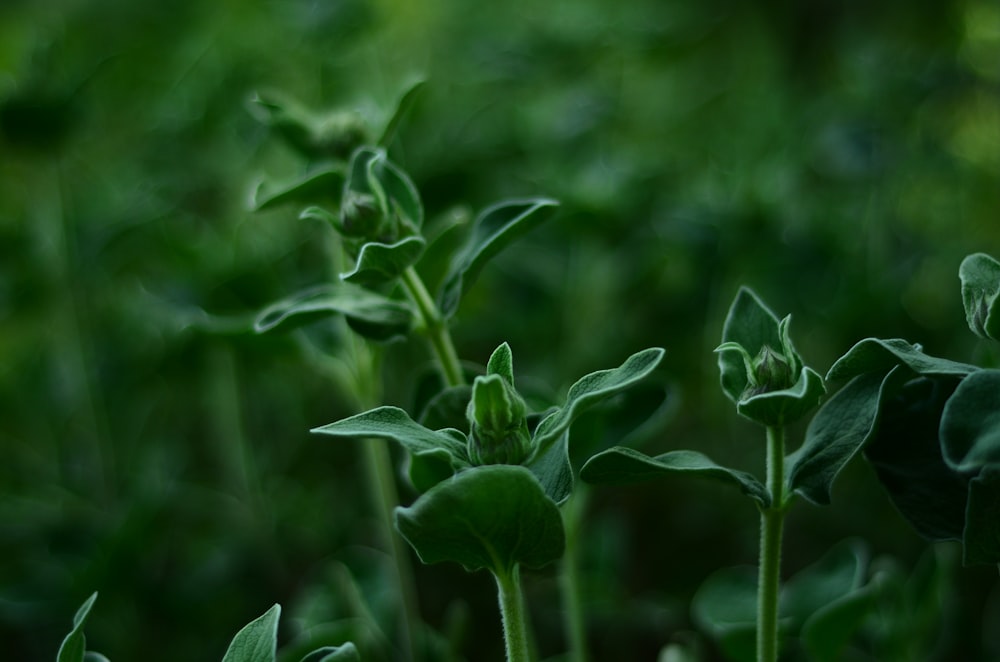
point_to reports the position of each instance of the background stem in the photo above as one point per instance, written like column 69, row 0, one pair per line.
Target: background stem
column 771, row 525
column 513, row 615
column 569, row 576
column 435, row 327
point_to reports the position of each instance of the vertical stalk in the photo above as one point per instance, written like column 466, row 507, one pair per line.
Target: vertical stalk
column 771, row 524
column 569, row 577
column 513, row 615
column 435, row 327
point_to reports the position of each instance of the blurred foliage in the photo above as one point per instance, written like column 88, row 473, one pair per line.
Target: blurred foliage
column 840, row 158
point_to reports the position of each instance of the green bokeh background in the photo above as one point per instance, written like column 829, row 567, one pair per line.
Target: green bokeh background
column 840, row 158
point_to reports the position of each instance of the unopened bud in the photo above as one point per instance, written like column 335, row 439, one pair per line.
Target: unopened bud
column 499, row 425
column 771, row 372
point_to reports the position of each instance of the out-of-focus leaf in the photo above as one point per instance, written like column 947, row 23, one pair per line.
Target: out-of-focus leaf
column 403, row 107
column 371, row 314
column 492, row 231
column 321, row 185
column 495, row 517
column 981, row 539
column 345, row 653
column 980, row 276
column 257, row 641
column 378, row 264
column 725, row 607
column 620, row 465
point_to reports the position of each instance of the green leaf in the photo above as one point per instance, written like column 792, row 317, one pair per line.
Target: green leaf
column 493, row 517
column 370, row 314
column 622, row 465
column 345, row 653
column 257, row 641
column 502, row 363
column 840, row 571
column 837, row 431
column 314, row 135
column 881, row 356
column 980, row 276
column 395, row 189
column 981, row 538
column 321, row 185
column 553, row 470
column 74, row 645
column 905, row 452
column 970, row 423
column 394, row 424
column 786, row 406
column 378, row 264
column 492, row 231
column 725, row 607
column 750, row 324
column 591, row 389
column 828, row 632
column 403, row 107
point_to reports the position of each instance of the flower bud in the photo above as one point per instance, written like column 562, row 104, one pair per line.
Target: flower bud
column 771, row 371
column 360, row 216
column 497, row 413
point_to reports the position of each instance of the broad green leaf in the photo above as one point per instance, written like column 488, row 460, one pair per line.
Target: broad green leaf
column 378, row 264
column 829, row 630
column 321, row 185
column 493, row 517
column 502, row 363
column 837, row 431
column 970, row 424
column 881, row 356
column 980, row 276
column 345, row 653
column 553, row 470
column 725, row 607
column 751, row 325
column 394, row 424
column 840, row 571
column 403, row 107
column 786, row 406
column 426, row 469
column 370, row 314
column 590, row 389
column 257, row 641
column 981, row 539
column 448, row 408
column 622, row 465
column 492, row 231
column 905, row 452
column 74, row 645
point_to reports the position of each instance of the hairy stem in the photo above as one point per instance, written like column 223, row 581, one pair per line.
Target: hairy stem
column 513, row 614
column 771, row 524
column 435, row 327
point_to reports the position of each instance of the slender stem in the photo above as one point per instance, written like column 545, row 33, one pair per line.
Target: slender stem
column 434, row 325
column 569, row 577
column 771, row 523
column 513, row 614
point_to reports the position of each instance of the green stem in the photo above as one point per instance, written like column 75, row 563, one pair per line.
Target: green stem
column 513, row 614
column 435, row 327
column 771, row 524
column 569, row 577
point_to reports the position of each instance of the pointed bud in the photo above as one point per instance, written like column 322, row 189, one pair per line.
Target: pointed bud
column 360, row 215
column 771, row 371
column 497, row 413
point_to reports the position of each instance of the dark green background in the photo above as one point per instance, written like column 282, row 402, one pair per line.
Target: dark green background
column 841, row 158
